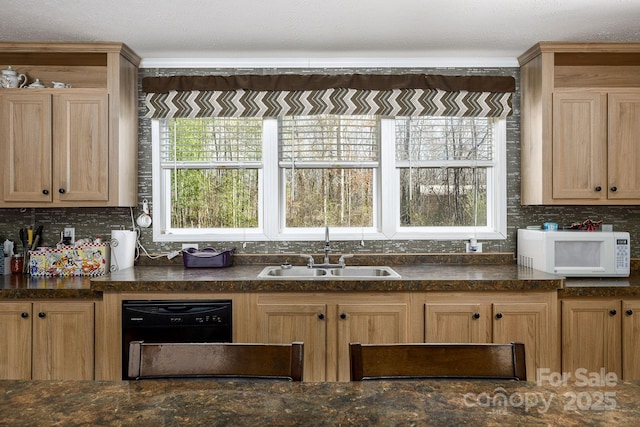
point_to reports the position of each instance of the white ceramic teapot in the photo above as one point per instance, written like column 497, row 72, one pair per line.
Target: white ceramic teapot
column 14, row 79
column 4, row 81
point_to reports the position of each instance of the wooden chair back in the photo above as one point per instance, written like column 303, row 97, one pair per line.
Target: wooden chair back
column 215, row 360
column 459, row 361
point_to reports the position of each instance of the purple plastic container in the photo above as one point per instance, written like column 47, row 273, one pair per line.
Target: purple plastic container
column 207, row 258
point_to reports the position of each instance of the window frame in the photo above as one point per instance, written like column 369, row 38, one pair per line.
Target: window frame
column 386, row 224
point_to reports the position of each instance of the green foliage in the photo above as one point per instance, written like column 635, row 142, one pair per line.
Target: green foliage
column 213, row 195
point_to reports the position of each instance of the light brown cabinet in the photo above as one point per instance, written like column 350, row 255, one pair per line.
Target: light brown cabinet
column 285, row 322
column 47, row 340
column 56, row 147
column 327, row 324
column 15, row 340
column 457, row 322
column 72, row 146
column 601, row 333
column 596, row 136
column 499, row 318
column 580, row 124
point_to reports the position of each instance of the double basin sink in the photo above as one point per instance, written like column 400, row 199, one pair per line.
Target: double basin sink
column 351, row 272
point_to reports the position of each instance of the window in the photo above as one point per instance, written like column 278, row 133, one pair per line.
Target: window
column 329, row 165
column 367, row 177
column 444, row 165
column 211, row 173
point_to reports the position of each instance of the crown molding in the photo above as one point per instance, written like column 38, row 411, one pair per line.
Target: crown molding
column 426, row 62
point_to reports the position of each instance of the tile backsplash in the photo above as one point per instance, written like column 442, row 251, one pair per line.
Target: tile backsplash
column 91, row 222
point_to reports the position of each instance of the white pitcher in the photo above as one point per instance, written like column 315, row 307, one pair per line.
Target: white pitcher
column 14, row 79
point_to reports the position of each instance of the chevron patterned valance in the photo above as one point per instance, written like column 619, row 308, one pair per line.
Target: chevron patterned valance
column 426, row 95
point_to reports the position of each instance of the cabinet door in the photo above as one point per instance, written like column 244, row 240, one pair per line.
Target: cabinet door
column 624, row 146
column 63, row 340
column 579, row 146
column 527, row 323
column 285, row 323
column 81, row 147
column 371, row 323
column 591, row 336
column 457, row 323
column 15, row 340
column 631, row 340
column 25, row 132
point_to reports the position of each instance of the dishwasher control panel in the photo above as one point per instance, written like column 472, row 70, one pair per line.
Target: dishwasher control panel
column 166, row 313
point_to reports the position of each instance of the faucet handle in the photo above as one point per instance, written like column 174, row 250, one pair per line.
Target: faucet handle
column 342, row 258
column 309, row 258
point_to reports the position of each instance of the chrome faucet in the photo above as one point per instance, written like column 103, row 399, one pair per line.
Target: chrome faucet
column 327, row 246
column 327, row 249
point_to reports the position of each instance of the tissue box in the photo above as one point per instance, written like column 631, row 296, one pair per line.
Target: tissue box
column 91, row 259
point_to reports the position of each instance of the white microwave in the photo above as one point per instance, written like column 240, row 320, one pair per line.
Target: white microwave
column 575, row 253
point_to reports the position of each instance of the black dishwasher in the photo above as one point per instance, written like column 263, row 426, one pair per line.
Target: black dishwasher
column 161, row 321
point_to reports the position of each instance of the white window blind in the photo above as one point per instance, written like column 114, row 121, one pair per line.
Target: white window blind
column 211, row 143
column 329, row 141
column 421, row 140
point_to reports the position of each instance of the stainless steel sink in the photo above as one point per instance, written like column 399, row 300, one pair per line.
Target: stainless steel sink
column 352, row 272
column 364, row 271
column 293, row 271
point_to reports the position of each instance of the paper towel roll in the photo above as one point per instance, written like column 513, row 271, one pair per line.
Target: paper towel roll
column 123, row 249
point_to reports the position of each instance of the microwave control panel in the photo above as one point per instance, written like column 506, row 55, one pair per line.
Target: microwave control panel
column 622, row 254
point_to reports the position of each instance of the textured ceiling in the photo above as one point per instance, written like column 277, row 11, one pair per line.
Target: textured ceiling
column 321, row 28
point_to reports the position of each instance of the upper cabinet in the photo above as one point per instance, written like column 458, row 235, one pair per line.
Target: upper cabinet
column 580, row 115
column 70, row 146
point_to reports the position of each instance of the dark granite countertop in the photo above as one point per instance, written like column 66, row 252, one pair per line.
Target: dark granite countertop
column 244, row 278
column 23, row 286
column 419, row 272
column 372, row 403
column 623, row 287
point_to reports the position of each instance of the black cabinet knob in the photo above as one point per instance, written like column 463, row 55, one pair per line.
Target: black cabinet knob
column 45, row 192
column 321, row 316
column 42, row 315
column 61, row 191
column 629, row 312
column 498, row 315
column 24, row 314
column 476, row 315
column 343, row 315
column 598, row 188
column 614, row 189
column 613, row 312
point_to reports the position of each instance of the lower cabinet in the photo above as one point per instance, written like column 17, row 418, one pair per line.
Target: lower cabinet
column 601, row 333
column 47, row 340
column 327, row 323
column 61, row 344
column 530, row 318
